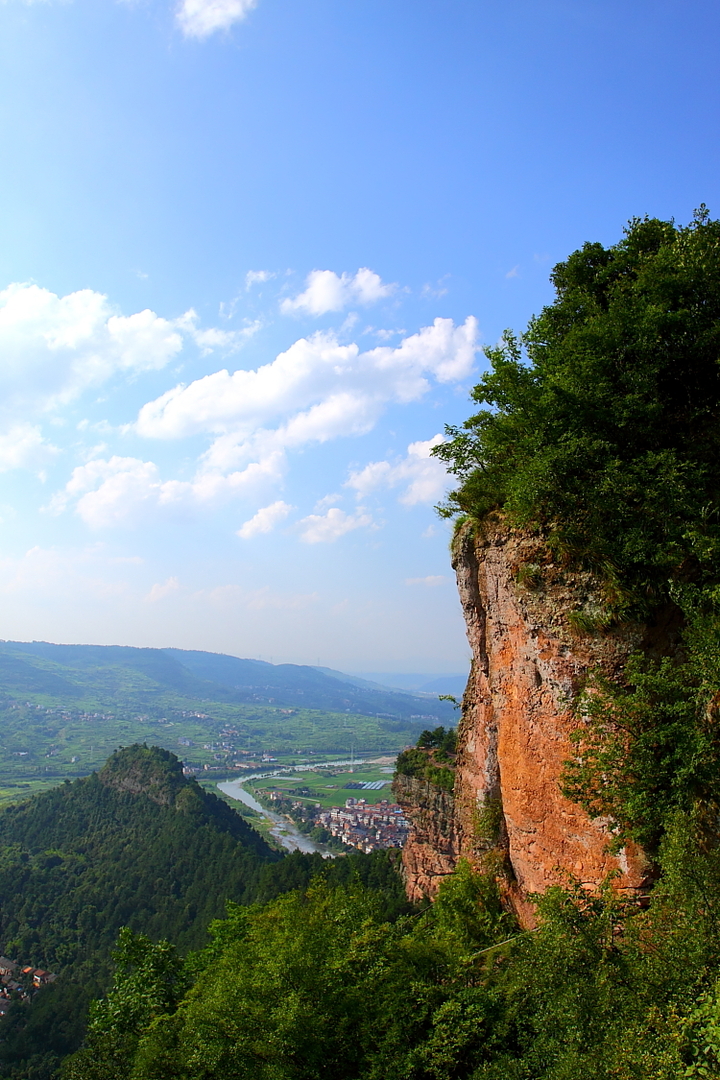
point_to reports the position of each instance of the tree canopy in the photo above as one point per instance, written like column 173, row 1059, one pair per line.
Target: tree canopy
column 601, row 424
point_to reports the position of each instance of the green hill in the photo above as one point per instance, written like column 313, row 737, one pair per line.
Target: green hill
column 136, row 845
column 106, row 671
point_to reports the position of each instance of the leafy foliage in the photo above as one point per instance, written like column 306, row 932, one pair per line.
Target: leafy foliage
column 602, row 427
column 433, row 759
column 321, row 983
column 650, row 745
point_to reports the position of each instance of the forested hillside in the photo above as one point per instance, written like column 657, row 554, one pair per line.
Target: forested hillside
column 137, row 845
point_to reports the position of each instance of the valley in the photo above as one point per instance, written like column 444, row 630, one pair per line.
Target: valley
column 65, row 709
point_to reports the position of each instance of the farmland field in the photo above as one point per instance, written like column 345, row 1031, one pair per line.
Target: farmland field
column 329, row 786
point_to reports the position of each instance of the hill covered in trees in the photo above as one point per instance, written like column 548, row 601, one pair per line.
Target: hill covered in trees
column 109, row 674
column 137, row 845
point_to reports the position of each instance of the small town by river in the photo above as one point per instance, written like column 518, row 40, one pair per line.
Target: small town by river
column 282, row 829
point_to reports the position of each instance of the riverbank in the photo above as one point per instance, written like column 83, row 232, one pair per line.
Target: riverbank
column 281, row 828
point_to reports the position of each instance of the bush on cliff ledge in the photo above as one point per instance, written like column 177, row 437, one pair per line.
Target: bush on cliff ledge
column 602, row 431
column 603, row 426
column 433, row 759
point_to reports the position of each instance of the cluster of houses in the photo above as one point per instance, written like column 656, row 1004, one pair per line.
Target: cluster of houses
column 20, row 982
column 366, row 826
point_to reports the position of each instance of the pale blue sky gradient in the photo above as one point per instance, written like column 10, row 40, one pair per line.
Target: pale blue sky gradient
column 456, row 150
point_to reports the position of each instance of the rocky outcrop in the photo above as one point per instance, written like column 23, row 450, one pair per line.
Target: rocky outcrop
column 524, row 614
column 433, row 848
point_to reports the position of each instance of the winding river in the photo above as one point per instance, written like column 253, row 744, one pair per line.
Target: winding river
column 283, row 830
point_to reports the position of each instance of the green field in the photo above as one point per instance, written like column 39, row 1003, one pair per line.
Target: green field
column 42, row 744
column 327, row 786
column 62, row 720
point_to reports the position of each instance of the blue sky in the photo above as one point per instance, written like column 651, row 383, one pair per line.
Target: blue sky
column 249, row 254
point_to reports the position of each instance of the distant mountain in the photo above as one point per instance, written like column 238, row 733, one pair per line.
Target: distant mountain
column 135, row 677
column 419, row 684
column 446, row 684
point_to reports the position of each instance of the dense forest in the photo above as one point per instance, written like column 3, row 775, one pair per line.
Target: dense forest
column 137, row 845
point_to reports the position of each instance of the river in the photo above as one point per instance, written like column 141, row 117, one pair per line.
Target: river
column 283, row 830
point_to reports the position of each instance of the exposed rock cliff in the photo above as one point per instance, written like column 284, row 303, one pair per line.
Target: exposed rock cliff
column 528, row 663
column 433, row 847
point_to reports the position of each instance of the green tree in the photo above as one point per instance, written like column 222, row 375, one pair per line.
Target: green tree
column 149, row 980
column 602, row 427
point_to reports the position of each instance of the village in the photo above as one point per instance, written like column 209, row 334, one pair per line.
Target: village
column 359, row 824
column 20, row 982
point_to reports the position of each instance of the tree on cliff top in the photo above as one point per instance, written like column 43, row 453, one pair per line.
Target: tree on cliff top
column 603, row 421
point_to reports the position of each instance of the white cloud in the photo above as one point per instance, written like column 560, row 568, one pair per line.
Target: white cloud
column 265, row 520
column 257, row 277
column 23, row 446
column 515, row 272
column 326, row 291
column 431, row 581
column 160, row 592
column 123, row 490
column 54, row 347
column 316, row 390
column 325, row 528
column 423, row 477
column 200, row 18
column 228, row 341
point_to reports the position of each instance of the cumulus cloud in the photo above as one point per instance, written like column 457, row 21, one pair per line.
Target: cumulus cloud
column 23, row 446
column 122, row 490
column 200, row 18
column 431, row 581
column 326, row 291
column 54, row 347
column 265, row 520
column 325, row 528
column 316, row 390
column 257, row 277
column 208, row 340
column 423, row 477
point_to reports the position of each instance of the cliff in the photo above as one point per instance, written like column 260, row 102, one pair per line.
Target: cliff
column 523, row 613
column 433, row 847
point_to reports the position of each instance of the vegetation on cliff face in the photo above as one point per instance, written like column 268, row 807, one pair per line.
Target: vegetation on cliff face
column 433, row 759
column 603, row 434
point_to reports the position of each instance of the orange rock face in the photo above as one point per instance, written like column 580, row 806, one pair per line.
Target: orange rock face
column 514, row 736
column 433, row 847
